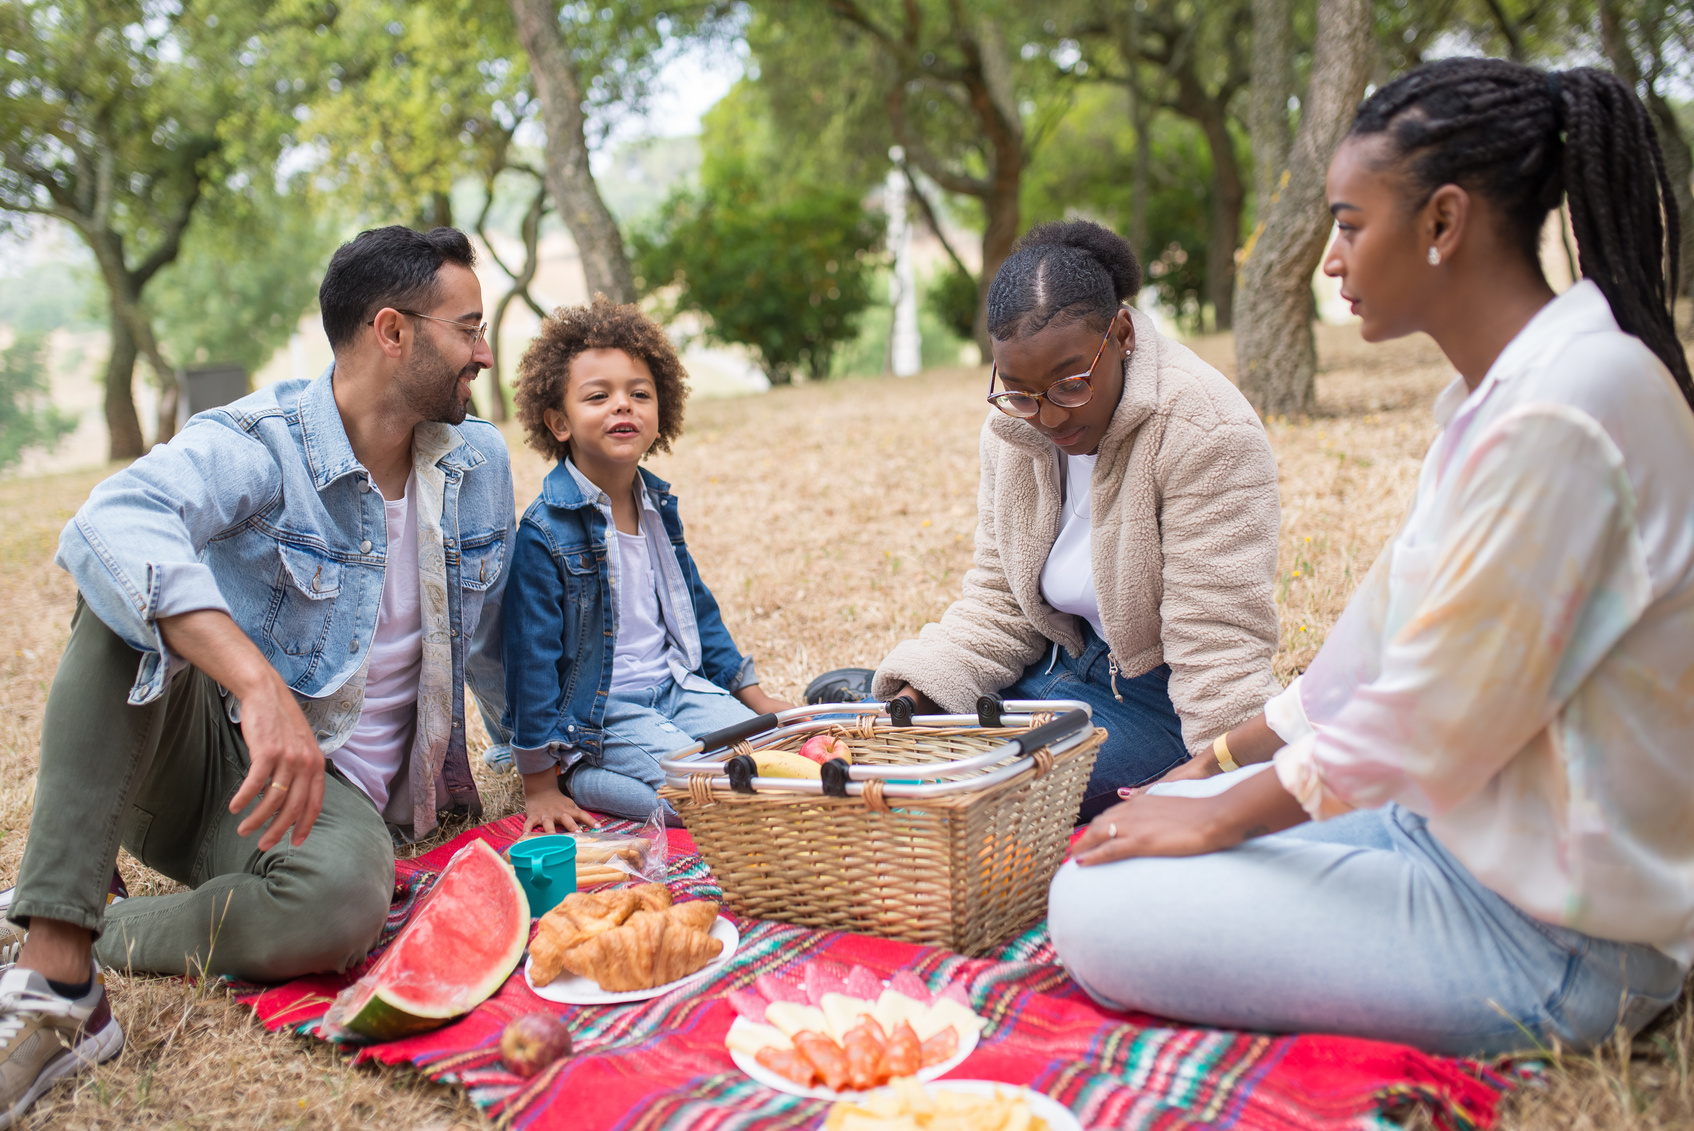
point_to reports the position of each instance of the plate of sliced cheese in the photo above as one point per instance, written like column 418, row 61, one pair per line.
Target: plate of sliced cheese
column 952, row 1105
column 841, row 1033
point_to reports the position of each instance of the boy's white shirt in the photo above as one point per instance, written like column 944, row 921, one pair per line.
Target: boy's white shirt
column 1519, row 664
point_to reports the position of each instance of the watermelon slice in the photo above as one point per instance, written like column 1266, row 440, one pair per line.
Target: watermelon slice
column 863, row 984
column 749, row 1004
column 908, row 983
column 778, row 989
column 464, row 940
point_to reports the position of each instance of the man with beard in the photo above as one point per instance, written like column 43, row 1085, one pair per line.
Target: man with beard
column 277, row 615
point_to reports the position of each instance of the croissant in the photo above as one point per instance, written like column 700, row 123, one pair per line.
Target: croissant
column 650, row 949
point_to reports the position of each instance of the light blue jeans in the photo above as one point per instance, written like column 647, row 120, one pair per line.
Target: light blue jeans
column 640, row 728
column 1364, row 926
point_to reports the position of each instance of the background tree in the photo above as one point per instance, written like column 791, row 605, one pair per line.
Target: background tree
column 27, row 419
column 774, row 261
column 1276, row 356
column 967, row 91
column 115, row 116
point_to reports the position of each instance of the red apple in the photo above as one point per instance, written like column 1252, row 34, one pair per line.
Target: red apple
column 820, row 748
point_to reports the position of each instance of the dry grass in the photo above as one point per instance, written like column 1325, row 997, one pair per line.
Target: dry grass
column 831, row 522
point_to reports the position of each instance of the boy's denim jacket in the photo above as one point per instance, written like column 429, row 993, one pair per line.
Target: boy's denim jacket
column 260, row 509
column 561, row 620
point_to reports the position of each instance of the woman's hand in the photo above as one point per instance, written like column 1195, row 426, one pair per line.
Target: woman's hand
column 754, row 698
column 921, row 703
column 1145, row 825
column 545, row 807
column 1202, row 765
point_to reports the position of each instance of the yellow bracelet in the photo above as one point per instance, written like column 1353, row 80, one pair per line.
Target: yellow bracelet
column 1220, row 751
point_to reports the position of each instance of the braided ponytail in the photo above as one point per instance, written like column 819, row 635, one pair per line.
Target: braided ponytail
column 1524, row 139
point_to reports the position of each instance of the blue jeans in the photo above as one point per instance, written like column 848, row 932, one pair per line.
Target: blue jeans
column 1364, row 926
column 1144, row 734
column 640, row 728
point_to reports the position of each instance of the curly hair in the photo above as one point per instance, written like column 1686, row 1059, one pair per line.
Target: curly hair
column 545, row 368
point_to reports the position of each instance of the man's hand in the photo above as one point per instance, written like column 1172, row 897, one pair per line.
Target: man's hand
column 754, row 698
column 545, row 807
column 1147, row 825
column 286, row 768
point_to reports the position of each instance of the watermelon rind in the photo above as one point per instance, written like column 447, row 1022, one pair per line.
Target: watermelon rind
column 385, row 1012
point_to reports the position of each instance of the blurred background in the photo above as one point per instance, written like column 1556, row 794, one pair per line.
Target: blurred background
column 801, row 190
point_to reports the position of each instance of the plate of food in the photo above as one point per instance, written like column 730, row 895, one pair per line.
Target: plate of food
column 841, row 1033
column 625, row 944
column 952, row 1105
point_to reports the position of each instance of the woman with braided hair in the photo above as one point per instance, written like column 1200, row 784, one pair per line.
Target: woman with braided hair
column 1126, row 524
column 1495, row 747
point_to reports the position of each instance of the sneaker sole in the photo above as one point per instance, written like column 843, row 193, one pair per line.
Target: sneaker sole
column 96, row 1048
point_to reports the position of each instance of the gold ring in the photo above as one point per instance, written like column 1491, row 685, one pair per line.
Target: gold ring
column 279, row 787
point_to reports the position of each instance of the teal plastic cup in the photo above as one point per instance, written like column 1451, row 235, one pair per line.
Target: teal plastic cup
column 546, row 867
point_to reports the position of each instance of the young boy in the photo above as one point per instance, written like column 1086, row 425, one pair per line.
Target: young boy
column 615, row 652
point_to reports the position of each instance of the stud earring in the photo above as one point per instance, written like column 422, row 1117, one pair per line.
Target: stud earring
column 1434, row 257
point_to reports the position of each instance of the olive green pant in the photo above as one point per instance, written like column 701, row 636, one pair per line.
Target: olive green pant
column 160, row 778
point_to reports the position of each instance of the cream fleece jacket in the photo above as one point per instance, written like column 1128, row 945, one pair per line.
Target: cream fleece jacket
column 1184, row 542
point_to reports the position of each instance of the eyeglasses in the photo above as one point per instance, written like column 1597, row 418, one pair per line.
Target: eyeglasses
column 477, row 334
column 1066, row 392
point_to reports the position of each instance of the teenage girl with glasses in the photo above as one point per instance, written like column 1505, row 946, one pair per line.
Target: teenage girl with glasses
column 1496, row 743
column 1127, row 524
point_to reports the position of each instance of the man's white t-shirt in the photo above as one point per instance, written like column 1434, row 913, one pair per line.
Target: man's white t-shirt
column 1067, row 580
column 638, row 656
column 382, row 740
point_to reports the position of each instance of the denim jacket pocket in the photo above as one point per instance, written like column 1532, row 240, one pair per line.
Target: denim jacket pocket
column 480, row 560
column 301, row 600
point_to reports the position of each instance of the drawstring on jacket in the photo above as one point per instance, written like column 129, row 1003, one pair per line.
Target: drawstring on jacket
column 1112, row 666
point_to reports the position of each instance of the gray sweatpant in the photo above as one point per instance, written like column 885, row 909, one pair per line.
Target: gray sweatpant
column 160, row 778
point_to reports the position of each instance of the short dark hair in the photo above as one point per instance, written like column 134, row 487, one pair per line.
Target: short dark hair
column 1069, row 271
column 394, row 266
column 545, row 368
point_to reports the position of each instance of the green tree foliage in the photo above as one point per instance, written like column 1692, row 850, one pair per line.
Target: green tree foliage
column 27, row 420
column 774, row 263
column 249, row 269
column 116, row 116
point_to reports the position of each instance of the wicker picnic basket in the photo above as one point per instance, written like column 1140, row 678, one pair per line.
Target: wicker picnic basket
column 945, row 831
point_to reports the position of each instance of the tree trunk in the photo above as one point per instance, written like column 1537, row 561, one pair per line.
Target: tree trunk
column 1267, row 97
column 1679, row 159
column 998, row 237
column 604, row 264
column 1228, row 196
column 123, row 425
column 1276, row 356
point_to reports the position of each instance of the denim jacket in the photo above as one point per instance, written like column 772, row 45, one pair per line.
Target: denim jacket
column 561, row 618
column 260, row 509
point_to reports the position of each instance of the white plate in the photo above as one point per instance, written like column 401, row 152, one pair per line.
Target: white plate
column 573, row 989
column 1050, row 1111
column 967, row 1045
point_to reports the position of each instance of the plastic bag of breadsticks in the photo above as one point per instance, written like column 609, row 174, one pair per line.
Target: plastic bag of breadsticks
column 608, row 858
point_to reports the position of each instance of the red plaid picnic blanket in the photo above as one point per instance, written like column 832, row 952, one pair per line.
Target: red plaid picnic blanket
column 662, row 1063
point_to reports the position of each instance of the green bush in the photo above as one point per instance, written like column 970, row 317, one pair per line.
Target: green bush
column 787, row 274
column 951, row 297
column 26, row 419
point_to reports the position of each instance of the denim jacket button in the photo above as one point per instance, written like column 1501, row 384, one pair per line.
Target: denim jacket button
column 353, row 644
column 365, row 547
column 364, row 484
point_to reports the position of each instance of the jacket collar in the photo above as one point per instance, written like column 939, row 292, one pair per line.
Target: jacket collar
column 568, row 488
column 1140, row 398
column 329, row 454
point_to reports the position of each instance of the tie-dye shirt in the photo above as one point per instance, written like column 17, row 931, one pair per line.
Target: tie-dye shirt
column 1519, row 664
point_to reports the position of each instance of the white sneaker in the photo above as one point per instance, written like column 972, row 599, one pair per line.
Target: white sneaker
column 44, row 1037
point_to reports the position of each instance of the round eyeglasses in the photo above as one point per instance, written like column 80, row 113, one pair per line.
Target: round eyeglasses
column 477, row 333
column 1066, row 392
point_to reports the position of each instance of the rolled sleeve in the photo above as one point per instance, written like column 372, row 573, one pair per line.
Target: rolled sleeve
column 1286, row 714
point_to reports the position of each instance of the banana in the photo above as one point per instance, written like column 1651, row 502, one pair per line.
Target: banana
column 785, row 764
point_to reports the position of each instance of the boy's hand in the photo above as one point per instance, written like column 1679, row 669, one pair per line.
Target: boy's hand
column 544, row 806
column 754, row 699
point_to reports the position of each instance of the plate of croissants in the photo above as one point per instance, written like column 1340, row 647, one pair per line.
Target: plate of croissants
column 625, row 944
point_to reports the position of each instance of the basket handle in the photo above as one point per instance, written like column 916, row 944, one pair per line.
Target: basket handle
column 1048, row 733
column 730, row 735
